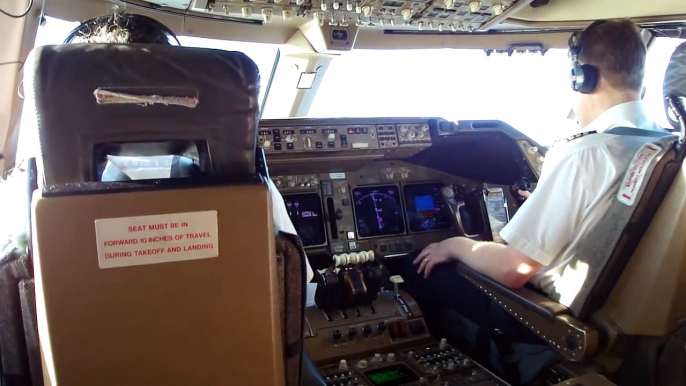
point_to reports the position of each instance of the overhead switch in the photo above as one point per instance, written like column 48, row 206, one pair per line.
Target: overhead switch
column 324, row 6
column 267, row 14
column 246, row 11
column 319, row 16
column 287, row 15
column 474, row 6
column 449, row 4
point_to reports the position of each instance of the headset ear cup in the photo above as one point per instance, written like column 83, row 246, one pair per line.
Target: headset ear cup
column 590, row 79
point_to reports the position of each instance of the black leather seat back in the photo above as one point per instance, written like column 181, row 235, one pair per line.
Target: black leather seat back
column 91, row 98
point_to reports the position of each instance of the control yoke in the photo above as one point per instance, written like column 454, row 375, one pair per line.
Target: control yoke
column 456, row 207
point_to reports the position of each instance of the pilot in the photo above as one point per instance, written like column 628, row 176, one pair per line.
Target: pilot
column 129, row 28
column 580, row 176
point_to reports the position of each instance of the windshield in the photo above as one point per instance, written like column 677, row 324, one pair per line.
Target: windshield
column 528, row 91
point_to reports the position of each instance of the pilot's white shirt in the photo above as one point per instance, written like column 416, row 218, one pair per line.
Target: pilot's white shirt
column 578, row 182
column 282, row 222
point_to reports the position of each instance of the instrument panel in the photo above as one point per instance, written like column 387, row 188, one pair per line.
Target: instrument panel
column 388, row 207
column 306, row 138
column 358, row 184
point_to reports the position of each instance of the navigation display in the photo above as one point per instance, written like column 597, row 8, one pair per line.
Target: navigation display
column 305, row 210
column 378, row 211
column 391, row 376
column 426, row 210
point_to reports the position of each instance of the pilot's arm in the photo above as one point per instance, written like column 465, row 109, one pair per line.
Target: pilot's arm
column 539, row 231
column 282, row 222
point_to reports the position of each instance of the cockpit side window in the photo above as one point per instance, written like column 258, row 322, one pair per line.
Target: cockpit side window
column 657, row 61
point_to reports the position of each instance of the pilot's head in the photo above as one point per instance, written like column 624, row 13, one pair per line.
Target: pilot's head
column 122, row 28
column 608, row 64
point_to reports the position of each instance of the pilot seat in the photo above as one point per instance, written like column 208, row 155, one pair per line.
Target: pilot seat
column 176, row 279
column 626, row 322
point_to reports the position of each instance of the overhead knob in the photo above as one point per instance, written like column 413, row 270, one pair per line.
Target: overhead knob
column 246, row 11
column 308, row 143
column 337, row 335
column 444, row 344
column 497, row 9
column 343, row 366
column 289, row 138
column 474, row 6
column 352, row 332
column 382, row 326
column 266, row 144
column 367, row 330
column 324, row 6
column 407, row 14
column 331, row 137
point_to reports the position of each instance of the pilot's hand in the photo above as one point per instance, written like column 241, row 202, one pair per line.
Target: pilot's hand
column 431, row 256
column 524, row 193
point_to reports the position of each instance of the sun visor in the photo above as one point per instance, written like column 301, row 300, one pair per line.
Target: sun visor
column 675, row 78
column 88, row 99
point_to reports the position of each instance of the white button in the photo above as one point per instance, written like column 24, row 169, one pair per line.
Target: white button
column 351, row 235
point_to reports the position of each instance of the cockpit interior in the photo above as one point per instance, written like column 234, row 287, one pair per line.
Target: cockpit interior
column 148, row 190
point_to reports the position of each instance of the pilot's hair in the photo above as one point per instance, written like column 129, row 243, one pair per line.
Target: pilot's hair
column 122, row 28
column 616, row 48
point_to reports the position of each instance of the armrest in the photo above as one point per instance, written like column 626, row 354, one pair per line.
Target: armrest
column 527, row 298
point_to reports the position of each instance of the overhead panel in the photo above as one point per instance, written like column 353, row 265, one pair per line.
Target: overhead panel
column 424, row 15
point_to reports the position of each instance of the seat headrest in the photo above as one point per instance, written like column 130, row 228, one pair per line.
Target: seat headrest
column 89, row 97
column 675, row 77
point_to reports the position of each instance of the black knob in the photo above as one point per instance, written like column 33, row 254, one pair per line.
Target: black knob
column 382, row 326
column 337, row 335
column 367, row 330
column 352, row 331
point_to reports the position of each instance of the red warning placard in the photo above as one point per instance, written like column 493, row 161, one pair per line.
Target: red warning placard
column 140, row 240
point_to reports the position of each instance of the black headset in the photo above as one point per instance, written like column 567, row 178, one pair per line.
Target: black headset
column 584, row 76
column 160, row 33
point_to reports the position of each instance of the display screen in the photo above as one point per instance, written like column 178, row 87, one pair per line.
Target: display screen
column 391, row 376
column 426, row 210
column 305, row 211
column 378, row 211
